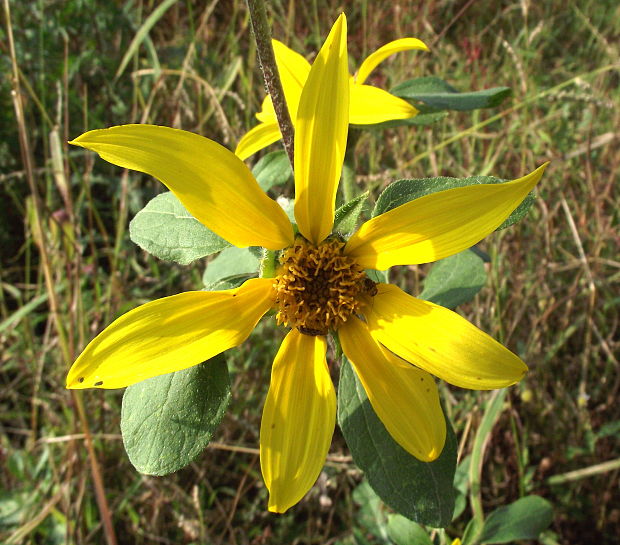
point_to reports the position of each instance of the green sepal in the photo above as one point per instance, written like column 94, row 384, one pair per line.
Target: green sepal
column 167, row 421
column 404, row 191
column 422, row 492
column 165, row 229
column 454, row 280
column 347, row 216
column 440, row 95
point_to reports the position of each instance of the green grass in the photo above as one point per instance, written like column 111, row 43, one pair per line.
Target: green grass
column 552, row 295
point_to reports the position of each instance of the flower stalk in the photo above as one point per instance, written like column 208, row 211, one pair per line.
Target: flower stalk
column 269, row 68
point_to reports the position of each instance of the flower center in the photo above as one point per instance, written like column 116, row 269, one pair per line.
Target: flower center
column 318, row 288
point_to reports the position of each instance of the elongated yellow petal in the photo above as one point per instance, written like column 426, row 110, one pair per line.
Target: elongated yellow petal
column 298, row 420
column 437, row 225
column 171, row 334
column 294, row 70
column 373, row 105
column 321, row 136
column 371, row 62
column 207, row 178
column 441, row 342
column 404, row 397
column 256, row 139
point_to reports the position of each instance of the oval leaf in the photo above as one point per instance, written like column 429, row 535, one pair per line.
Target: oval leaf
column 403, row 191
column 439, row 94
column 165, row 229
column 422, row 492
column 166, row 421
column 524, row 519
column 454, row 280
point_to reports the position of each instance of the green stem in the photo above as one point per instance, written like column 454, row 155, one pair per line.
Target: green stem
column 492, row 412
column 267, row 61
column 349, row 187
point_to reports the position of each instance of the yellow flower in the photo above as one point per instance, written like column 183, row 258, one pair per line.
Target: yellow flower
column 392, row 339
column 368, row 104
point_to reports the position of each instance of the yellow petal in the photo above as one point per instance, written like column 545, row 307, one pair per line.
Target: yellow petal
column 256, row 139
column 321, row 136
column 298, row 420
column 437, row 225
column 441, row 342
column 404, row 397
column 373, row 105
column 293, row 70
column 171, row 334
column 206, row 177
column 371, row 62
column 267, row 113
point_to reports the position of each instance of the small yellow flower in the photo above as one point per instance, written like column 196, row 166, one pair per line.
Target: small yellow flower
column 368, row 104
column 392, row 339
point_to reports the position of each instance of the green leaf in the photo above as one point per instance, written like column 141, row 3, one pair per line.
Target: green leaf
column 427, row 116
column 273, row 169
column 231, row 262
column 471, row 530
column 454, row 280
column 403, row 191
column 348, row 214
column 438, row 94
column 166, row 421
column 461, row 484
column 403, row 531
column 165, row 229
column 420, row 491
column 371, row 515
column 524, row 519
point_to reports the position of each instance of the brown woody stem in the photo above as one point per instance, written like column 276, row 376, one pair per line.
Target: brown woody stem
column 273, row 84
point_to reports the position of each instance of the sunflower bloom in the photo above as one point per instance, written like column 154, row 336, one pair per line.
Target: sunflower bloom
column 368, row 104
column 393, row 340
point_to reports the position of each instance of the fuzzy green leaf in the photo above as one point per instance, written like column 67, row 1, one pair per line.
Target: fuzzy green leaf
column 166, row 421
column 403, row 191
column 454, row 280
column 348, row 214
column 422, row 492
column 165, row 229
column 438, row 94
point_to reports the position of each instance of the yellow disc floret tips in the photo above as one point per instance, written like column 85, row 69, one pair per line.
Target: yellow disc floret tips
column 318, row 288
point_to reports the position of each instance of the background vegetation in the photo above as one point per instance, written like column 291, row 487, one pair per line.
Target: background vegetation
column 553, row 295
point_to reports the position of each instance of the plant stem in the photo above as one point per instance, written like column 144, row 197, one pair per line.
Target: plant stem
column 349, row 187
column 273, row 84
